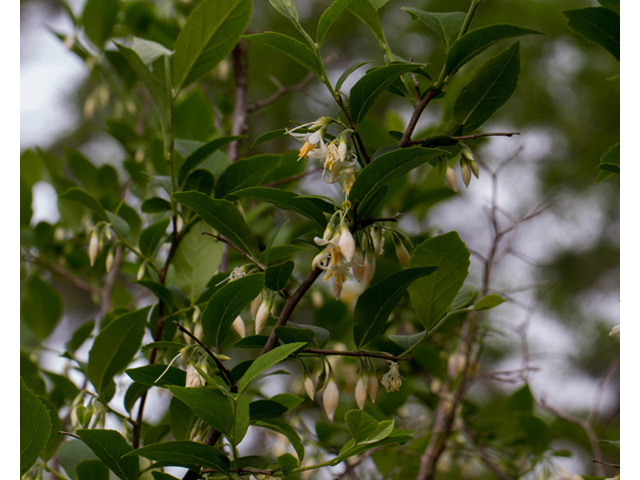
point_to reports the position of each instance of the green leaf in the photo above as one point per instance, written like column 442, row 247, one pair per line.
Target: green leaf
column 349, row 71
column 488, row 302
column 185, row 454
column 328, row 17
column 115, row 346
column 54, row 440
column 464, row 298
column 266, row 361
column 383, row 170
column 286, row 8
column 366, row 90
column 209, row 404
column 290, row 334
column 538, row 434
column 264, row 409
column 288, row 431
column 252, row 341
column 109, row 446
column 158, row 93
column 432, row 296
column 246, row 172
column 243, row 419
column 407, row 341
column 361, row 425
column 265, row 137
column 367, row 13
column 609, row 163
column 209, row 34
column 71, row 453
column 98, row 18
column 159, row 290
column 378, row 301
column 149, row 375
column 199, row 155
column 615, row 443
column 80, row 196
column 291, row 47
column 149, row 51
column 288, row 400
column 521, row 401
column 490, row 86
column 151, row 236
column 181, row 418
column 285, row 201
column 79, row 336
column 611, row 4
column 40, row 307
column 287, row 463
column 155, row 205
column 277, row 276
column 597, row 24
column 477, row 41
column 26, row 212
column 35, row 427
column 92, row 470
column 322, row 335
column 196, row 260
column 446, row 26
column 226, row 304
column 223, row 216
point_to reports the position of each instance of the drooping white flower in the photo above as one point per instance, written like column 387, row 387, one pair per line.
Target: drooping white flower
column 238, row 326
column 263, row 314
column 361, row 393
column 193, row 377
column 347, row 244
column 392, row 380
column 372, row 387
column 330, row 398
column 309, row 386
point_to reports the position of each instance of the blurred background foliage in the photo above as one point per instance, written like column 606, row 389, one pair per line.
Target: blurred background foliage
column 566, row 108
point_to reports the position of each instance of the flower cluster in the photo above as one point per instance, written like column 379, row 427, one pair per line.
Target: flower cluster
column 392, row 380
column 468, row 165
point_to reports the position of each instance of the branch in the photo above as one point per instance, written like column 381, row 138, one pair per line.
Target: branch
column 281, row 91
column 614, row 465
column 249, row 257
column 365, row 222
column 347, row 353
column 417, row 111
column 588, row 430
column 240, row 64
column 471, row 137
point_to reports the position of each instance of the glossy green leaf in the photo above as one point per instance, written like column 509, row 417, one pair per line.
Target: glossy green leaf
column 597, row 24
column 264, row 409
column 115, row 346
column 464, row 298
column 109, row 446
column 329, row 16
column 295, row 335
column 367, row 13
column 209, row 404
column 98, row 18
column 477, row 41
column 196, row 260
column 286, row 201
column 289, row 400
column 265, row 137
column 446, row 25
column 151, row 236
column 361, row 425
column 611, row 4
column 609, row 163
column 386, row 168
column 92, row 470
column 431, row 296
column 288, row 431
column 223, row 216
column 80, row 196
column 277, row 276
column 378, row 3
column 155, row 375
column 40, row 307
column 349, row 71
column 155, row 205
column 378, row 301
column 322, row 335
column 287, row 463
column 226, row 304
column 158, row 93
column 286, row 8
column 130, row 216
column 265, row 362
column 247, row 172
column 488, row 302
column 366, row 90
column 211, row 31
column 72, row 452
column 291, row 47
column 199, row 155
column 185, row 454
column 243, row 419
column 181, row 418
column 252, row 341
column 490, row 86
column 148, row 50
column 407, row 341
column 54, row 440
column 35, row 427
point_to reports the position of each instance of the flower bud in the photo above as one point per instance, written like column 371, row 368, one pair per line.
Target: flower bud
column 196, row 314
column 238, row 326
column 466, row 152
column 474, row 168
column 465, row 171
column 263, row 315
column 361, row 393
column 141, row 270
column 255, row 305
column 358, row 267
column 615, row 332
column 378, row 240
column 401, row 252
column 372, row 387
column 451, row 178
column 108, row 263
column 193, row 377
column 330, row 398
column 347, row 244
column 94, row 246
column 197, row 331
column 369, row 269
column 309, row 386
column 342, row 149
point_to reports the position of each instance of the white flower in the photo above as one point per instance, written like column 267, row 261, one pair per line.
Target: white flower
column 361, row 393
column 238, row 326
column 255, row 305
column 358, row 265
column 193, row 377
column 615, row 332
column 237, row 273
column 392, row 379
column 331, row 260
column 316, row 129
column 330, row 398
column 309, row 386
column 347, row 244
column 263, row 315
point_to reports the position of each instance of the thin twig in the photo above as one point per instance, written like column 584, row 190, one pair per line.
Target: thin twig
column 365, row 222
column 471, row 137
column 348, row 353
column 249, row 257
column 614, row 465
column 219, row 364
column 417, row 111
column 279, row 92
column 78, row 282
column 240, row 65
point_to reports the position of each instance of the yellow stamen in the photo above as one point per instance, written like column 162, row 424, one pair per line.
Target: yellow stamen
column 305, row 149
